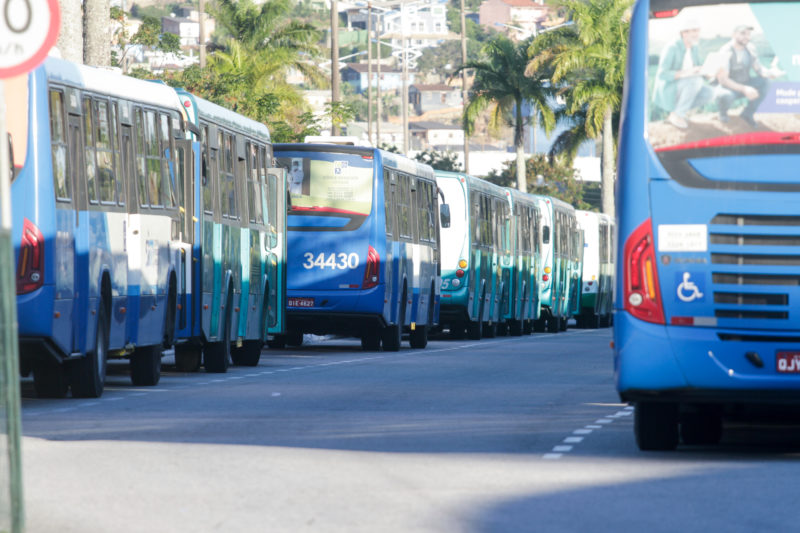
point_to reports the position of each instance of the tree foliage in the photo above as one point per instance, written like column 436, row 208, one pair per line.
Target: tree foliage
column 559, row 178
column 439, row 160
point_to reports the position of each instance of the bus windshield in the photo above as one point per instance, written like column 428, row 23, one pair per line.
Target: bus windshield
column 453, row 237
column 327, row 183
column 724, row 75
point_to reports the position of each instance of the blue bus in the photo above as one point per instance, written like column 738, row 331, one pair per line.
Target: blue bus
column 233, row 242
column 363, row 245
column 707, row 196
column 471, row 252
column 95, row 212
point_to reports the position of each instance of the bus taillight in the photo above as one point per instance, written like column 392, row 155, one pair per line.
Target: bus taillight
column 372, row 272
column 641, row 292
column 30, row 271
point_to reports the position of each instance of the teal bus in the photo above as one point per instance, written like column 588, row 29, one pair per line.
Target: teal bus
column 237, row 208
column 471, row 254
column 597, row 284
column 559, row 257
column 521, row 273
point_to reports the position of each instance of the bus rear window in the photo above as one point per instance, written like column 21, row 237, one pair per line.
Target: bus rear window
column 722, row 75
column 329, row 183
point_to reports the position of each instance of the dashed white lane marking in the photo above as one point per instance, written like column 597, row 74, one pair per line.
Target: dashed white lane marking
column 558, row 451
column 276, row 394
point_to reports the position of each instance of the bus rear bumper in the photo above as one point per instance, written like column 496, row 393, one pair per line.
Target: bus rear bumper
column 319, row 323
column 695, row 364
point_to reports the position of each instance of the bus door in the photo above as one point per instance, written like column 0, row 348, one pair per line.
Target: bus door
column 391, row 235
column 276, row 199
column 78, row 244
column 212, row 236
column 188, row 153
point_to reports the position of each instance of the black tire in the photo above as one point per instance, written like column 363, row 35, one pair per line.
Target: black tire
column 248, row 354
column 553, row 324
column 188, row 358
column 527, row 327
column 217, row 355
column 145, row 366
column 277, row 342
column 418, row 338
column 514, row 328
column 474, row 330
column 502, row 329
column 371, row 341
column 539, row 325
column 88, row 375
column 564, row 324
column 50, row 379
column 392, row 335
column 655, row 426
column 294, row 338
column 701, row 427
column 604, row 321
column 490, row 331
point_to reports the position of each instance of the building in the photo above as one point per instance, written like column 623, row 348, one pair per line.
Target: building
column 522, row 17
column 425, row 26
column 357, row 74
column 185, row 23
column 435, row 135
column 434, row 97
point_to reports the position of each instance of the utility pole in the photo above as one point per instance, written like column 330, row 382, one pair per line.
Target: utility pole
column 97, row 41
column 404, row 103
column 379, row 103
column 369, row 71
column 464, row 90
column 334, row 62
column 202, row 36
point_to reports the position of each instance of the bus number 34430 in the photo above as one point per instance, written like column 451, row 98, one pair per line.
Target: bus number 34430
column 339, row 261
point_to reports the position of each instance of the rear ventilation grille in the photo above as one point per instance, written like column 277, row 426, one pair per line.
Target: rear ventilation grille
column 756, row 220
column 753, row 259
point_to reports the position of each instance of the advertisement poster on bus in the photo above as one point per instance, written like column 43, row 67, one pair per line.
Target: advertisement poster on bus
column 723, row 70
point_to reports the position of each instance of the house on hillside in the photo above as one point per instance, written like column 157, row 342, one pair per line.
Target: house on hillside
column 522, row 17
column 433, row 97
column 357, row 74
column 426, row 134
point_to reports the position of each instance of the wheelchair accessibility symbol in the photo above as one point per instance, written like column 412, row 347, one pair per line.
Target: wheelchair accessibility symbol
column 688, row 291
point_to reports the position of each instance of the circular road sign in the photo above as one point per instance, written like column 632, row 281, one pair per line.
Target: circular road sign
column 28, row 30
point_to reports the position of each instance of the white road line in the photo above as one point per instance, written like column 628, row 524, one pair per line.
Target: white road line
column 562, row 448
column 603, row 421
column 593, row 426
column 572, row 440
column 552, row 456
column 582, row 431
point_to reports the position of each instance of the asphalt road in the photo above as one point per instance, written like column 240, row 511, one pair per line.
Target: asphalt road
column 507, row 434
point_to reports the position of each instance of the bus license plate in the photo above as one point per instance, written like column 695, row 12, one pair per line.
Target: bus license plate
column 788, row 362
column 301, row 302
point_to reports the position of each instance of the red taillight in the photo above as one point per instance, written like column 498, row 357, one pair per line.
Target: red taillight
column 372, row 272
column 666, row 14
column 459, row 273
column 641, row 292
column 30, row 270
column 545, row 277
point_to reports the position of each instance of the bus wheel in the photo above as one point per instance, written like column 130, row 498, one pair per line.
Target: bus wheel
column 371, row 341
column 188, row 358
column 527, row 327
column 515, row 328
column 50, row 379
column 490, row 331
column 248, row 354
column 502, row 329
column 603, row 321
column 419, row 337
column 554, row 324
column 277, row 342
column 539, row 325
column 564, row 324
column 294, row 338
column 655, row 425
column 217, row 355
column 701, row 427
column 145, row 366
column 89, row 374
column 474, row 330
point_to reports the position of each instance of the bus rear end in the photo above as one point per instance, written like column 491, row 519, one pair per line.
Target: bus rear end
column 454, row 312
column 709, row 228
column 334, row 281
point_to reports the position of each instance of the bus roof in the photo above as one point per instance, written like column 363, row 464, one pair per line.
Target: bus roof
column 225, row 117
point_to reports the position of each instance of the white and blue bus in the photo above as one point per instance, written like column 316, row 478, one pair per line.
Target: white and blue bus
column 597, row 280
column 363, row 245
column 235, row 240
column 706, row 323
column 95, row 213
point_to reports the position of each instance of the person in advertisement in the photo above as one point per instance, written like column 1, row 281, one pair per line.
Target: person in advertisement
column 679, row 84
column 739, row 60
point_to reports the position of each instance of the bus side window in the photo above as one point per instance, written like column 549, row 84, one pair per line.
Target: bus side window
column 546, row 235
column 89, row 153
column 403, row 199
column 167, row 153
column 475, row 217
column 58, row 140
column 106, row 181
column 387, row 203
column 119, row 175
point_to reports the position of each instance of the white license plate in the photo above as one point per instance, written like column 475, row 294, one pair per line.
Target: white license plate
column 300, row 302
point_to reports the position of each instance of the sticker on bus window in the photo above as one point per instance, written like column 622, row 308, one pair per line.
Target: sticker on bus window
column 682, row 238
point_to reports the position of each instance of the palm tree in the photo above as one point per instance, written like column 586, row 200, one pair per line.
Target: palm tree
column 500, row 83
column 261, row 45
column 588, row 63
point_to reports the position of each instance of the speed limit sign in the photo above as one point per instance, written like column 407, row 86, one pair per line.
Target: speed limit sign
column 28, row 30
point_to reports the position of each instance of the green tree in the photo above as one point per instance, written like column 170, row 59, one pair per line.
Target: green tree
column 439, row 160
column 501, row 85
column 588, row 63
column 554, row 177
